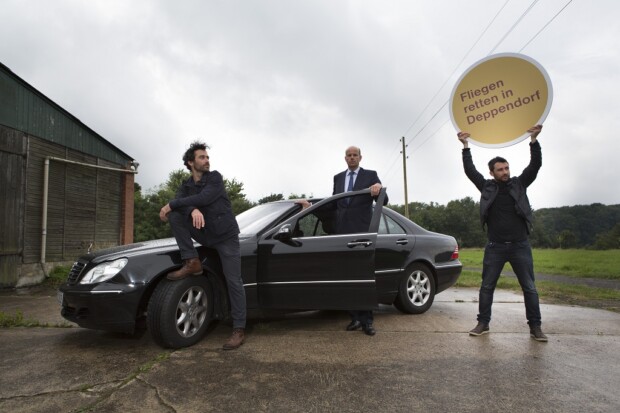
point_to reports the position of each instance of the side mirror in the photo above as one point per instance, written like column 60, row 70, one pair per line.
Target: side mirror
column 285, row 233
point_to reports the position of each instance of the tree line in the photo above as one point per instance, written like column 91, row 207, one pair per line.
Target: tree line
column 594, row 226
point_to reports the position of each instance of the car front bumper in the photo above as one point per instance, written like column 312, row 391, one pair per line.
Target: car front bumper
column 104, row 306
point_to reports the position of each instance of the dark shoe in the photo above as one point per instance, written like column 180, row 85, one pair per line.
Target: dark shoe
column 369, row 330
column 190, row 267
column 479, row 330
column 537, row 334
column 354, row 325
column 235, row 340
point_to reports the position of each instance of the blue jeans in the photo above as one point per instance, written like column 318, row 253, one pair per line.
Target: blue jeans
column 519, row 255
column 230, row 256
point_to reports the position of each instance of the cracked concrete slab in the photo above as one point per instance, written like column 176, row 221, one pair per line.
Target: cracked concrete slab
column 306, row 362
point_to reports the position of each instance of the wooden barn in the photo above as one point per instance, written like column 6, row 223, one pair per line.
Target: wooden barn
column 64, row 189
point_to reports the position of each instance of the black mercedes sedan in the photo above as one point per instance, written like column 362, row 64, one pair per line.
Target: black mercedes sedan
column 291, row 259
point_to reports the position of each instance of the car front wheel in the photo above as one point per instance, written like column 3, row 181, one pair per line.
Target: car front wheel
column 179, row 312
column 416, row 291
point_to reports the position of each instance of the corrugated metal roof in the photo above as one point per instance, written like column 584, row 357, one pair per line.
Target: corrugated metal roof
column 24, row 108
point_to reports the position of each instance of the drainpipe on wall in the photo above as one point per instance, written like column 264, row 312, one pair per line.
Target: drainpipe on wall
column 46, row 173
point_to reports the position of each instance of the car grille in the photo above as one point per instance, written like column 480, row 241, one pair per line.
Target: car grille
column 75, row 272
column 73, row 312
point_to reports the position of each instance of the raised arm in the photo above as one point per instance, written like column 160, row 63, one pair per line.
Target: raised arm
column 531, row 171
column 468, row 163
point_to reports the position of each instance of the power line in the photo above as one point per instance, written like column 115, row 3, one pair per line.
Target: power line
column 430, row 136
column 429, row 121
column 453, row 72
column 513, row 26
column 545, row 26
column 392, row 162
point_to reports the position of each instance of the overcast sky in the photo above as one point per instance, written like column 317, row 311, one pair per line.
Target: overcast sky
column 280, row 88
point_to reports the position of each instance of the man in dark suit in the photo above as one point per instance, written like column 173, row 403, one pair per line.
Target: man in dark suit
column 354, row 215
column 202, row 211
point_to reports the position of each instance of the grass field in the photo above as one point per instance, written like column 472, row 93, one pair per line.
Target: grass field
column 574, row 263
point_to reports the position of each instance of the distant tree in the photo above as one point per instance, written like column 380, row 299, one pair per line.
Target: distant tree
column 608, row 240
column 271, row 198
column 295, row 196
column 425, row 215
column 463, row 223
column 458, row 218
column 175, row 180
column 541, row 238
column 140, row 211
column 147, row 224
column 239, row 202
column 567, row 239
column 579, row 226
column 584, row 221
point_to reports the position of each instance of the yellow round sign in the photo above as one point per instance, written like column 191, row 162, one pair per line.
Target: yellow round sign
column 499, row 98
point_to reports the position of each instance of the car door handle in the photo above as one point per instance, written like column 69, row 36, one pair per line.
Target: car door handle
column 364, row 244
column 402, row 241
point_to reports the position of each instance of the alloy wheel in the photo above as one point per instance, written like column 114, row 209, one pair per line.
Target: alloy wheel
column 192, row 311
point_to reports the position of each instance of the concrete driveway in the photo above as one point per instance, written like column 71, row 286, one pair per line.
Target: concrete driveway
column 307, row 363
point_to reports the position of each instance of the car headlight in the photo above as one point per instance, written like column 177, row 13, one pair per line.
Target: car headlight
column 104, row 271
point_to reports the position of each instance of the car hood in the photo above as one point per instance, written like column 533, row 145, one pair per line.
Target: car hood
column 139, row 248
column 130, row 249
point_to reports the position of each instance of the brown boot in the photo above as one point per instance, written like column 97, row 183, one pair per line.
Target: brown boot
column 235, row 340
column 191, row 266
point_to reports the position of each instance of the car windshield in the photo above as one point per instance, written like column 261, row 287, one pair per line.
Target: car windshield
column 254, row 220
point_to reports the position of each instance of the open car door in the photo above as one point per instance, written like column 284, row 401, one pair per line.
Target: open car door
column 322, row 258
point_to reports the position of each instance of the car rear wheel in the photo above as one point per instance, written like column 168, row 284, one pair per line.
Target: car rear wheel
column 179, row 312
column 416, row 291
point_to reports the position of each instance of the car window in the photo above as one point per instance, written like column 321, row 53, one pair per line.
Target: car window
column 255, row 220
column 310, row 226
column 343, row 216
column 320, row 221
column 388, row 226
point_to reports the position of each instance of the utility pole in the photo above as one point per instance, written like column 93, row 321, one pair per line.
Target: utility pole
column 405, row 176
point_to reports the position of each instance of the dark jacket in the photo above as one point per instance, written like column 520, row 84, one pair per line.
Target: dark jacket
column 517, row 185
column 355, row 216
column 209, row 196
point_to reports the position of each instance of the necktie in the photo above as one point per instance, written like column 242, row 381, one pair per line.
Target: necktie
column 351, row 181
column 350, row 186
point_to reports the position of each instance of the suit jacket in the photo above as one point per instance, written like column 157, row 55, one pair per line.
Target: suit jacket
column 356, row 215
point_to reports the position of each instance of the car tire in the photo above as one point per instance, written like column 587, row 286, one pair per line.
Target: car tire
column 179, row 312
column 416, row 290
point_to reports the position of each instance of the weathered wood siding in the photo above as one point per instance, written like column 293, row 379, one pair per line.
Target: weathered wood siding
column 12, row 185
column 84, row 204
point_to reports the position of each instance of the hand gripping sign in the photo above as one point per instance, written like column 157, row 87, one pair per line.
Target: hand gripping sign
column 499, row 98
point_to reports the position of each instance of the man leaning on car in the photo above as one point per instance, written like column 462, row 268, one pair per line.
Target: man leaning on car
column 202, row 211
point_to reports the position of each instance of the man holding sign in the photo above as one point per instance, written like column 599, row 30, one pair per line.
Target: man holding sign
column 506, row 213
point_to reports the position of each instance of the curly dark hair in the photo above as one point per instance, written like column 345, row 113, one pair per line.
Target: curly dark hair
column 190, row 155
